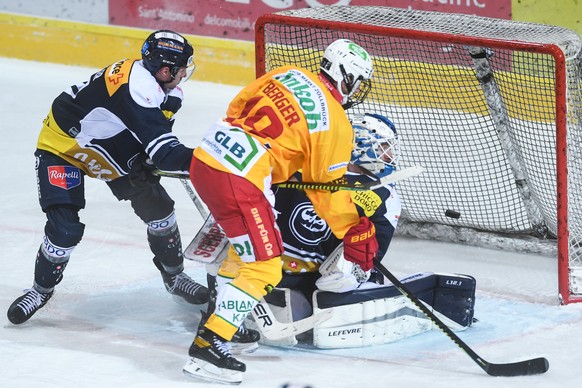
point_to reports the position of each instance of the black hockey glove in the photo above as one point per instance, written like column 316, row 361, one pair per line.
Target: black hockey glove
column 141, row 174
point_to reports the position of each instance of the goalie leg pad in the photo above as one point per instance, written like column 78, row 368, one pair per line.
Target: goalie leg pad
column 454, row 297
column 372, row 322
column 381, row 315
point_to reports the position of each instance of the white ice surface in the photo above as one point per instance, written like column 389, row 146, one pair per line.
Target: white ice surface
column 112, row 324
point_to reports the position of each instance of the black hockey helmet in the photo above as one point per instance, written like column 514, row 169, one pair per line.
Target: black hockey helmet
column 167, row 48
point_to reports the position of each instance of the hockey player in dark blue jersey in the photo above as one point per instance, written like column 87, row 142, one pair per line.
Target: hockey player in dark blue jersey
column 361, row 309
column 116, row 127
column 308, row 241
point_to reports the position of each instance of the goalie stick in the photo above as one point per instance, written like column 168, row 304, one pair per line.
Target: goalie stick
column 394, row 177
column 521, row 368
column 274, row 330
column 209, row 244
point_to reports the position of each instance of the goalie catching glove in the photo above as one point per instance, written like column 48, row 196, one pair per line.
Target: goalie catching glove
column 360, row 245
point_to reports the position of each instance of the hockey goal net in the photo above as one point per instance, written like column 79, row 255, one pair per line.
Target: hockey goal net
column 490, row 108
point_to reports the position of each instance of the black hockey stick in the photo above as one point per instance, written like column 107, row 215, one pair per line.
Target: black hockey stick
column 331, row 186
column 521, row 368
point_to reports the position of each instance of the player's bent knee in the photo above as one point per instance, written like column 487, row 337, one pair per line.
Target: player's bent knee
column 63, row 227
column 271, row 270
column 260, row 276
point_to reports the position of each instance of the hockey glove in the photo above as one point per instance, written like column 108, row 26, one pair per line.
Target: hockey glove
column 360, row 245
column 141, row 174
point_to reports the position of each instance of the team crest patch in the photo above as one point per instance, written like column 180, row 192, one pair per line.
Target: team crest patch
column 306, row 225
column 65, row 177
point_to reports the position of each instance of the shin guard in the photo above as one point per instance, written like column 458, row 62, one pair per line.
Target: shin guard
column 166, row 245
column 48, row 270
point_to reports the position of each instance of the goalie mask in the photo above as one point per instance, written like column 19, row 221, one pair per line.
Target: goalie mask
column 349, row 68
column 376, row 144
column 168, row 48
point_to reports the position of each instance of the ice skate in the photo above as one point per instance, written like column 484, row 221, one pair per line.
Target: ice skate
column 244, row 341
column 212, row 361
column 26, row 305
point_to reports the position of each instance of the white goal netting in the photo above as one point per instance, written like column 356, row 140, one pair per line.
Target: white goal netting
column 490, row 108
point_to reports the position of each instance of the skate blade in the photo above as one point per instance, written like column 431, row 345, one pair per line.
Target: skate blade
column 208, row 372
column 183, row 302
column 238, row 348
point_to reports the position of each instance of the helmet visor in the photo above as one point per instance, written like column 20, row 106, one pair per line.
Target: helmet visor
column 190, row 67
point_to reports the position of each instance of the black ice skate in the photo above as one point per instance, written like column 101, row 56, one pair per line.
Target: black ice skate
column 182, row 286
column 212, row 361
column 244, row 341
column 26, row 305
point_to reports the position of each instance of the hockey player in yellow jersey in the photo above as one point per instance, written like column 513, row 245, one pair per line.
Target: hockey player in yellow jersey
column 117, row 127
column 287, row 120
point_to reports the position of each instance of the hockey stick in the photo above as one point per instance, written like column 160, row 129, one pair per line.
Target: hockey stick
column 274, row 330
column 197, row 202
column 209, row 244
column 520, row 368
column 209, row 234
column 396, row 176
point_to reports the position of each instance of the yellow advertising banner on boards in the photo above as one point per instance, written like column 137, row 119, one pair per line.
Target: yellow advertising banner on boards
column 221, row 56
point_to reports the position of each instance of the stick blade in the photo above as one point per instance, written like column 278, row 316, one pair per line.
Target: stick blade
column 534, row 366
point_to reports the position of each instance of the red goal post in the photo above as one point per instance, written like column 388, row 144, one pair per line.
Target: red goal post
column 490, row 108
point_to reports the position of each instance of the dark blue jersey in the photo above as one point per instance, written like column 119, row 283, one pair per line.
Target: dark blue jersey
column 308, row 240
column 102, row 124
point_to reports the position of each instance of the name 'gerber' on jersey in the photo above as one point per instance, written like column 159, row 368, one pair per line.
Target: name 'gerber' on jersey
column 287, row 120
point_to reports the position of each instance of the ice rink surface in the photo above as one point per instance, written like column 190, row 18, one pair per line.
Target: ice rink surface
column 112, row 324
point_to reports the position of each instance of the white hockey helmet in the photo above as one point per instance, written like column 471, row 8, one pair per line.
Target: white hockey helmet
column 349, row 68
column 376, row 143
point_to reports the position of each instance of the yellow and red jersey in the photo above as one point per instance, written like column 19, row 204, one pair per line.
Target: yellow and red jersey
column 285, row 121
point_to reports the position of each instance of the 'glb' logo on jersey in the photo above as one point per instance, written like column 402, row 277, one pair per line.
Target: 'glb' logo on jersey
column 65, row 177
column 238, row 155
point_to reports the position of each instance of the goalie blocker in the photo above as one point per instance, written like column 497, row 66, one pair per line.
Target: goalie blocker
column 376, row 315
